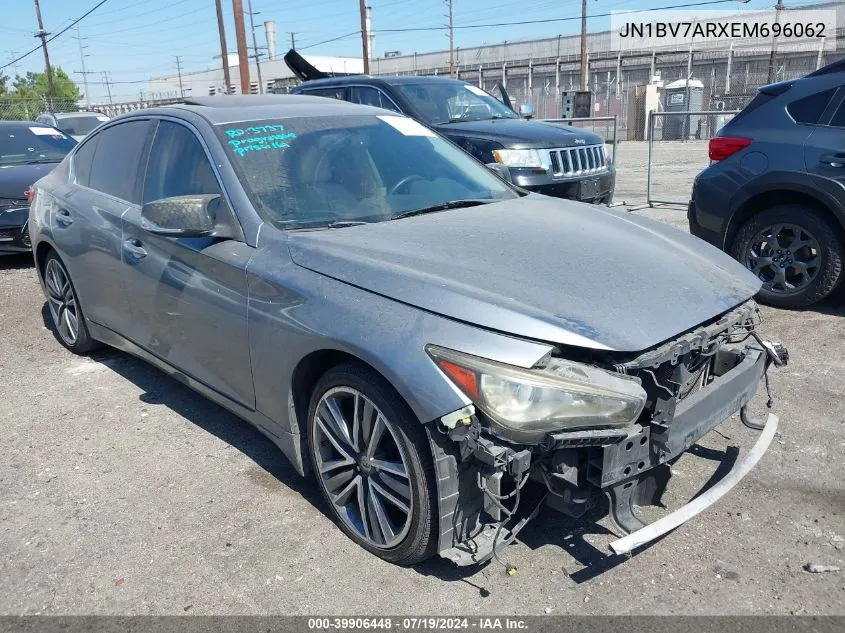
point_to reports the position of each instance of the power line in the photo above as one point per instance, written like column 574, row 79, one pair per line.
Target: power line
column 149, row 24
column 64, row 30
column 568, row 19
column 334, row 39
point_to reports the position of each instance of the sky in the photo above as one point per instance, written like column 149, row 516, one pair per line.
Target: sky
column 134, row 40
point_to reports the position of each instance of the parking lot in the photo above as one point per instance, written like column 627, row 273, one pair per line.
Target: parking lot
column 123, row 492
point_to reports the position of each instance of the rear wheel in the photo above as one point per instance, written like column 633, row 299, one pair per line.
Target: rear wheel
column 65, row 311
column 794, row 252
column 371, row 460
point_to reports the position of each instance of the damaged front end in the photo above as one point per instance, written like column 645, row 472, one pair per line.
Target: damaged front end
column 601, row 423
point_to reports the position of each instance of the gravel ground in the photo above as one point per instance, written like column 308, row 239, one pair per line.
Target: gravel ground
column 123, row 492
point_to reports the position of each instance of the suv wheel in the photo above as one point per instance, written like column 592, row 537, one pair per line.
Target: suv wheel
column 370, row 457
column 795, row 253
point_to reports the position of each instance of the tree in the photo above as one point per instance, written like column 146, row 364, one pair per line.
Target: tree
column 27, row 97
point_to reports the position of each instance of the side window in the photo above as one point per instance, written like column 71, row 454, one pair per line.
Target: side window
column 178, row 165
column 838, row 119
column 83, row 159
column 332, row 93
column 809, row 109
column 118, row 159
column 366, row 95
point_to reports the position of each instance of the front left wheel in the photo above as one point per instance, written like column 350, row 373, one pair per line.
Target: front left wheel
column 371, row 460
column 65, row 311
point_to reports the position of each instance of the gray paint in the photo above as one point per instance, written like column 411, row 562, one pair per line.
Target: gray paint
column 234, row 318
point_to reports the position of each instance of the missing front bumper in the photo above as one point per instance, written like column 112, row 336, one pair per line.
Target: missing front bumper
column 671, row 521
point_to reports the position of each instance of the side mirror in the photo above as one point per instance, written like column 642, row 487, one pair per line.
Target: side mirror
column 182, row 216
column 501, row 171
column 526, row 110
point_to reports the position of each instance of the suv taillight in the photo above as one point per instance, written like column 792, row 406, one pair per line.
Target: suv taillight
column 30, row 194
column 723, row 146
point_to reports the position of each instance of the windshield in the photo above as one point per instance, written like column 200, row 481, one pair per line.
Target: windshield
column 309, row 171
column 20, row 145
column 451, row 101
column 82, row 124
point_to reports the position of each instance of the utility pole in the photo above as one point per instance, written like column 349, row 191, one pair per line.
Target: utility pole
column 179, row 71
column 364, row 36
column 292, row 40
column 771, row 75
column 42, row 34
column 583, row 44
column 224, row 50
column 451, row 40
column 240, row 36
column 107, row 82
column 83, row 72
column 255, row 47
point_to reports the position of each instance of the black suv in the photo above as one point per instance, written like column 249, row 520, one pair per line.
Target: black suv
column 561, row 161
column 774, row 193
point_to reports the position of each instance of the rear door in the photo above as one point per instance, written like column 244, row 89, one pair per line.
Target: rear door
column 86, row 221
column 824, row 149
column 188, row 295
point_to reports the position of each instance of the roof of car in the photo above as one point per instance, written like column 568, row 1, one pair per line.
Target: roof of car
column 390, row 80
column 20, row 123
column 234, row 108
column 59, row 115
column 834, row 67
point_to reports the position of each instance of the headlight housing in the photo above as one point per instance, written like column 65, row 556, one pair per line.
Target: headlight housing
column 518, row 157
column 526, row 404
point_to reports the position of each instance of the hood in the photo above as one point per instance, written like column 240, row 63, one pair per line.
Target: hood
column 16, row 179
column 520, row 133
column 540, row 268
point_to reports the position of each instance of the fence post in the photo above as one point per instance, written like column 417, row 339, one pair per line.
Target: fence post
column 650, row 127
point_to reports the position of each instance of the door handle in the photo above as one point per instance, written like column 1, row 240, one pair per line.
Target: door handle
column 134, row 248
column 63, row 217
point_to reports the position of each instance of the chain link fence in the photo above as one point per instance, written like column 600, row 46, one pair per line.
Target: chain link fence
column 15, row 109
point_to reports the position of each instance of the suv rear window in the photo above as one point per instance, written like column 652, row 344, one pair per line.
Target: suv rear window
column 809, row 109
column 332, row 93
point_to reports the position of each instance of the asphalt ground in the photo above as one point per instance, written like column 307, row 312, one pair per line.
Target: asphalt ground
column 123, row 492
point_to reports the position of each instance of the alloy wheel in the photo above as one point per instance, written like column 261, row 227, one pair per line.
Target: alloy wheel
column 785, row 257
column 362, row 468
column 62, row 302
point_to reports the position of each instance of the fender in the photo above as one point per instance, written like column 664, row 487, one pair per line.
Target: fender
column 827, row 192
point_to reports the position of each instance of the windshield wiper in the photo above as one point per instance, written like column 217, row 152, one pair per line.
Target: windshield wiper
column 443, row 206
column 337, row 224
column 40, row 161
column 342, row 224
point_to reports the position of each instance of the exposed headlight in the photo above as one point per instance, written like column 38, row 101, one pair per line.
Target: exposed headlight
column 525, row 404
column 518, row 157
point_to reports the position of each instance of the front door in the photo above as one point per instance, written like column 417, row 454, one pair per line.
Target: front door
column 189, row 295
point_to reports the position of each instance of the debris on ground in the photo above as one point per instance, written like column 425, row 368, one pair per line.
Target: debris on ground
column 818, row 568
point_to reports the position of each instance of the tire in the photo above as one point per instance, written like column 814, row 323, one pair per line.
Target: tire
column 808, row 274
column 68, row 320
column 399, row 537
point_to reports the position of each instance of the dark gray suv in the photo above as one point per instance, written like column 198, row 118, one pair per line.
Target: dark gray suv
column 774, row 193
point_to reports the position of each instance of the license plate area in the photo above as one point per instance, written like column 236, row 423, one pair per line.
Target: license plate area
column 589, row 189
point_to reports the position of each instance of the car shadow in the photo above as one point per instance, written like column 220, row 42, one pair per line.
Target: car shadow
column 158, row 388
column 548, row 528
column 833, row 304
column 16, row 262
